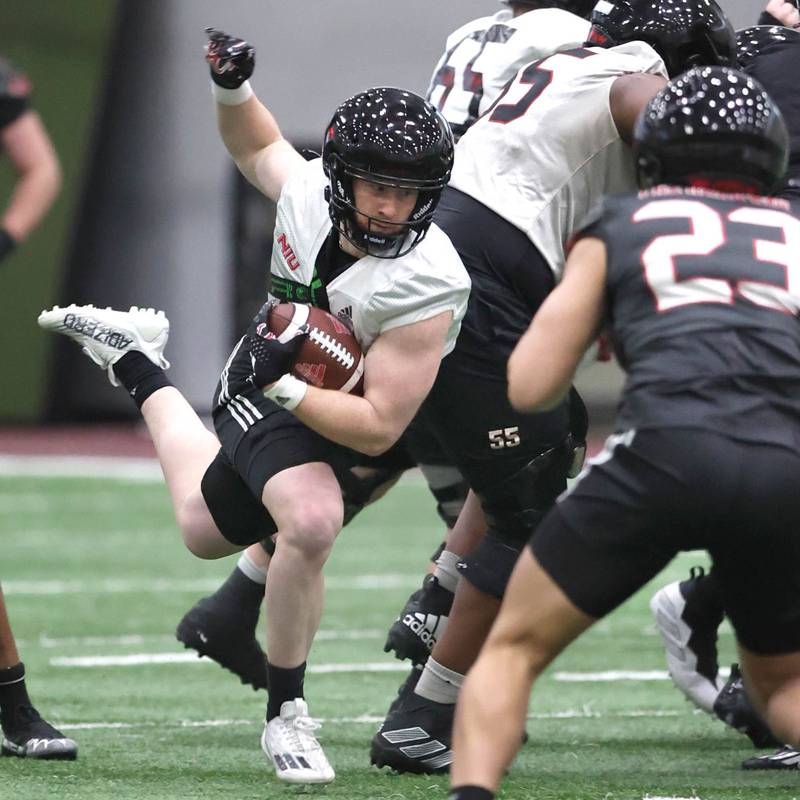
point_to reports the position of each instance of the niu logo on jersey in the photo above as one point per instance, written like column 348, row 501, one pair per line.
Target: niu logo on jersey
column 288, row 253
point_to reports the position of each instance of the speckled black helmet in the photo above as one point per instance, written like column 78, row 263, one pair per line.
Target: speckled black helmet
column 711, row 126
column 392, row 137
column 685, row 33
column 759, row 39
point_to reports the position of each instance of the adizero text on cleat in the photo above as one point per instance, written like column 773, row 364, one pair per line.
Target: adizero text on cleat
column 105, row 335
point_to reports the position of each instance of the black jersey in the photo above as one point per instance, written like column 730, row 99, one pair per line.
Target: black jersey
column 14, row 91
column 703, row 294
column 776, row 68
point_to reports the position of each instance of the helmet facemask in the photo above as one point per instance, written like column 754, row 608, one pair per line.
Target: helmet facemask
column 372, row 242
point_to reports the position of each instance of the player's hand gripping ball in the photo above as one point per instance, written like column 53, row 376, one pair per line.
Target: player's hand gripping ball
column 327, row 354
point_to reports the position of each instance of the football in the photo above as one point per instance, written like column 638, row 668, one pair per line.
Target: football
column 330, row 357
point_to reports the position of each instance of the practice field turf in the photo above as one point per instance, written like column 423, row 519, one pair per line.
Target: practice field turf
column 97, row 578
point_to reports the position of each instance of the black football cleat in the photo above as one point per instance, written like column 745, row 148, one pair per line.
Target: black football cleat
column 733, row 707
column 213, row 631
column 27, row 735
column 407, row 687
column 415, row 737
column 784, row 758
column 421, row 622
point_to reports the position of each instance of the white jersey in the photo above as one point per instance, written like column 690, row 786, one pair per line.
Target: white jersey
column 543, row 157
column 374, row 294
column 482, row 56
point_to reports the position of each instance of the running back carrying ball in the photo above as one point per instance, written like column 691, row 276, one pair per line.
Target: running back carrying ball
column 330, row 356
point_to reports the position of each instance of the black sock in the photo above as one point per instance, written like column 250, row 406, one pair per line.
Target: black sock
column 242, row 596
column 709, row 591
column 140, row 376
column 470, row 793
column 284, row 684
column 12, row 691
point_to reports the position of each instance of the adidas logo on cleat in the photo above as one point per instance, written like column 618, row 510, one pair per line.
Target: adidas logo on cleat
column 284, row 761
column 432, row 755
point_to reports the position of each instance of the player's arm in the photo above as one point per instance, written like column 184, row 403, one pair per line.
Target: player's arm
column 33, row 158
column 399, row 370
column 246, row 126
column 629, row 95
column 543, row 364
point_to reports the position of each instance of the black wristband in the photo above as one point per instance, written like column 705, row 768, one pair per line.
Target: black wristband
column 7, row 244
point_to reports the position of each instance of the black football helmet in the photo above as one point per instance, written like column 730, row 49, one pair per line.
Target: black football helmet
column 392, row 137
column 685, row 33
column 759, row 39
column 714, row 127
column 580, row 7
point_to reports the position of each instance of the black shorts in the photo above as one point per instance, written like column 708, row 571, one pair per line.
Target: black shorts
column 468, row 406
column 654, row 493
column 258, row 440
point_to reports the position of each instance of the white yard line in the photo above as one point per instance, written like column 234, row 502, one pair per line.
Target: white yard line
column 363, row 719
column 620, row 675
column 137, row 659
column 145, row 470
column 199, row 585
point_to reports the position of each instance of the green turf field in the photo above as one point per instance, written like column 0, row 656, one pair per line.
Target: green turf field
column 95, row 569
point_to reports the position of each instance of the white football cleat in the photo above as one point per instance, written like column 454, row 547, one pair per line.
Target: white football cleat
column 289, row 742
column 690, row 641
column 106, row 335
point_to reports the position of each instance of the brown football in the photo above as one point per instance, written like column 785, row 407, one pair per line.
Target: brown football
column 330, row 357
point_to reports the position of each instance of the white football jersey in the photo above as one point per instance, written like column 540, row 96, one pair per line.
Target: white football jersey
column 482, row 56
column 375, row 294
column 546, row 153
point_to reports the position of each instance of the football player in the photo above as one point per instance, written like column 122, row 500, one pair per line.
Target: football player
column 24, row 140
column 25, row 733
column 359, row 220
column 526, row 174
column 479, row 59
column 696, row 276
column 687, row 613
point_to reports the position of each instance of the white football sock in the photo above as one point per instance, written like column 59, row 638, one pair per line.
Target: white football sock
column 446, row 572
column 438, row 683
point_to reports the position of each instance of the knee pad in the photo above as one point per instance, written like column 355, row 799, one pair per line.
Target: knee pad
column 488, row 567
column 357, row 490
column 240, row 517
column 449, row 489
column 516, row 506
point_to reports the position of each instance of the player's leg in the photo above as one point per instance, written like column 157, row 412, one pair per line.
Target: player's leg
column 536, row 622
column 129, row 345
column 223, row 625
column 25, row 733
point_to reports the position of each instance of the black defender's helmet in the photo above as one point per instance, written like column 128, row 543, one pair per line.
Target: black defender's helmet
column 759, row 39
column 580, row 7
column 685, row 33
column 396, row 138
column 713, row 127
